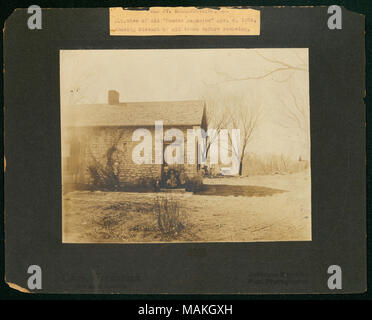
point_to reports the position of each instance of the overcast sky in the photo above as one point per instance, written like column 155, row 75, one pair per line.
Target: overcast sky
column 276, row 79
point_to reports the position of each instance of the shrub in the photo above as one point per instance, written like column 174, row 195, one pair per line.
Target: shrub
column 147, row 183
column 103, row 177
column 169, row 219
column 105, row 174
column 194, row 184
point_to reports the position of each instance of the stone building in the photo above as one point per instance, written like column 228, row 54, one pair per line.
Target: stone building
column 95, row 133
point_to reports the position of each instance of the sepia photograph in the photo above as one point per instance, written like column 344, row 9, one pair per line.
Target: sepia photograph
column 185, row 145
column 174, row 151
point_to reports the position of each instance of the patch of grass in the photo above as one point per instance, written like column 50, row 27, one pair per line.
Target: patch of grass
column 156, row 219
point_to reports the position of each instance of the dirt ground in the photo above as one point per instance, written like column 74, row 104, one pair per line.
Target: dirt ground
column 239, row 209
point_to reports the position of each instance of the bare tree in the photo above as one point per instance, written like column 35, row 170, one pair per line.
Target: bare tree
column 76, row 92
column 78, row 88
column 245, row 116
column 295, row 113
column 278, row 67
column 217, row 116
column 295, row 116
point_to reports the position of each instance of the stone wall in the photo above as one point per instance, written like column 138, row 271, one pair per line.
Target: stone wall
column 93, row 144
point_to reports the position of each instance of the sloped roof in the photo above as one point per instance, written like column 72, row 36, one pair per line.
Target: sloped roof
column 186, row 113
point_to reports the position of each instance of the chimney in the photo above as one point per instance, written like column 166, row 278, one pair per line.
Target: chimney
column 113, row 97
